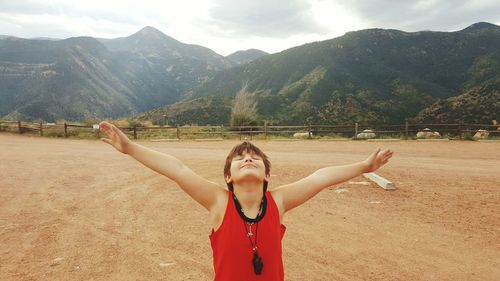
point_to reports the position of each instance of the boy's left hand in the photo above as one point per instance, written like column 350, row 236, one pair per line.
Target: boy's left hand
column 377, row 159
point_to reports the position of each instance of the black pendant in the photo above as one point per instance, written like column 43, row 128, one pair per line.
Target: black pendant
column 257, row 263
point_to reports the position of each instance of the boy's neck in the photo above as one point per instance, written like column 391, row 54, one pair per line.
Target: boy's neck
column 249, row 196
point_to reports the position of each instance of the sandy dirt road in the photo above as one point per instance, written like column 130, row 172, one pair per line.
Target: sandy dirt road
column 78, row 210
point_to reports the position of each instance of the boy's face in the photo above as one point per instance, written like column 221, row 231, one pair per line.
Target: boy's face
column 247, row 167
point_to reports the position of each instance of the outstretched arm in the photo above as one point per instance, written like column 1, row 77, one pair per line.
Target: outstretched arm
column 292, row 195
column 203, row 191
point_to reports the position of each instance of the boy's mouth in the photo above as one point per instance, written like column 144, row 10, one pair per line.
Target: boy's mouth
column 247, row 165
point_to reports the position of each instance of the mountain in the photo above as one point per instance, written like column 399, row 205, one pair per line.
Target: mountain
column 59, row 79
column 176, row 63
column 83, row 77
column 479, row 102
column 480, row 26
column 212, row 110
column 370, row 76
column 242, row 57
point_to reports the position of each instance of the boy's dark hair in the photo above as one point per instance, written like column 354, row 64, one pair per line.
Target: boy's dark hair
column 239, row 150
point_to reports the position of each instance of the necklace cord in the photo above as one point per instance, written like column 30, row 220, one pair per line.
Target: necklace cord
column 260, row 214
column 256, row 260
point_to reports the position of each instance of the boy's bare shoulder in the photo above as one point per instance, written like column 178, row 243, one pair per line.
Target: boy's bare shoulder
column 221, row 195
column 219, row 209
column 277, row 194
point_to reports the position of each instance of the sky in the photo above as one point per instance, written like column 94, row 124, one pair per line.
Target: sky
column 226, row 26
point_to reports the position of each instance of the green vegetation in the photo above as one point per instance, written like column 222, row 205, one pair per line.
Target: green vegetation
column 244, row 110
column 375, row 76
column 372, row 76
column 201, row 111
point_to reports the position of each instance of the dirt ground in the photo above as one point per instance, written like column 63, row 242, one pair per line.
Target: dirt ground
column 78, row 210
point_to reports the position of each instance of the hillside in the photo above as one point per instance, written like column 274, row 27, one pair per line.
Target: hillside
column 242, row 57
column 213, row 110
column 479, row 101
column 59, row 79
column 83, row 77
column 369, row 76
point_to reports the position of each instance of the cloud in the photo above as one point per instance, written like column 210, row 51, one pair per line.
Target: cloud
column 230, row 25
column 262, row 18
column 32, row 7
column 439, row 15
column 111, row 10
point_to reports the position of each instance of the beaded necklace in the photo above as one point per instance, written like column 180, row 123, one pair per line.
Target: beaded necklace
column 248, row 223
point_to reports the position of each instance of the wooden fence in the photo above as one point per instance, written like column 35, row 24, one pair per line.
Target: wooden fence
column 401, row 131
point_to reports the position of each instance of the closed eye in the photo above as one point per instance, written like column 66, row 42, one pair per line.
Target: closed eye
column 239, row 158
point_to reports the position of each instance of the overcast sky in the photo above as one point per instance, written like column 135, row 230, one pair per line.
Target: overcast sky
column 226, row 26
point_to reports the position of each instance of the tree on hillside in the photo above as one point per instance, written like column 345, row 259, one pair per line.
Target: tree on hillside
column 244, row 111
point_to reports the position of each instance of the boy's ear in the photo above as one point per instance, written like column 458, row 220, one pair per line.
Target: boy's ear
column 228, row 179
column 267, row 177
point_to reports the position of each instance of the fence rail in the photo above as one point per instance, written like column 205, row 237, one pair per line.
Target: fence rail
column 405, row 131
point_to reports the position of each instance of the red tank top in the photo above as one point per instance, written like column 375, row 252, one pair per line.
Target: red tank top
column 232, row 250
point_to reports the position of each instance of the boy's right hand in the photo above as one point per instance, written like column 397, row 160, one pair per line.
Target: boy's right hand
column 115, row 137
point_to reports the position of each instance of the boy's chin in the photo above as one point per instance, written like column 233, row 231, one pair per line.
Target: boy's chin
column 250, row 178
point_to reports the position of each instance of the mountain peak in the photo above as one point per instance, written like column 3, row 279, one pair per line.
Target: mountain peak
column 149, row 34
column 480, row 26
column 149, row 30
column 242, row 57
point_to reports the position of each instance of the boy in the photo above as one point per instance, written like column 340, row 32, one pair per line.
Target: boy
column 246, row 217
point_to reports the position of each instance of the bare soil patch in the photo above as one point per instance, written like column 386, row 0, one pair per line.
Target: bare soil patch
column 78, row 210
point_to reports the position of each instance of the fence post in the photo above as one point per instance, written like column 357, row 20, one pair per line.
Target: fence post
column 265, row 130
column 240, row 132
column 309, row 131
column 406, row 129
column 356, row 130
column 41, row 129
column 460, row 130
column 135, row 132
column 19, row 127
column 65, row 130
column 178, row 132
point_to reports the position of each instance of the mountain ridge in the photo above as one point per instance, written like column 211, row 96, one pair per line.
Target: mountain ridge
column 382, row 75
column 246, row 56
column 96, row 78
